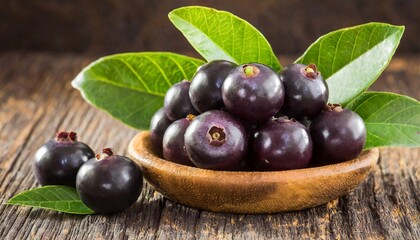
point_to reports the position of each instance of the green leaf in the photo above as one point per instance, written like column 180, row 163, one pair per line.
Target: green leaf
column 58, row 198
column 131, row 86
column 222, row 35
column 391, row 119
column 351, row 59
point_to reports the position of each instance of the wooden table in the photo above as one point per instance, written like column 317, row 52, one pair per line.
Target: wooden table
column 37, row 100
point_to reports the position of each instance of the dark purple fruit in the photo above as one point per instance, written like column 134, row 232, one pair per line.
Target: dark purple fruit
column 173, row 141
column 177, row 102
column 253, row 92
column 59, row 159
column 158, row 126
column 205, row 90
column 109, row 183
column 338, row 135
column 306, row 92
column 281, row 144
column 216, row 140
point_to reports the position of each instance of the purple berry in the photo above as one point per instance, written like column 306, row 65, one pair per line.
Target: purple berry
column 109, row 183
column 177, row 102
column 281, row 144
column 306, row 92
column 253, row 92
column 59, row 159
column 205, row 90
column 338, row 134
column 216, row 140
column 173, row 141
column 158, row 125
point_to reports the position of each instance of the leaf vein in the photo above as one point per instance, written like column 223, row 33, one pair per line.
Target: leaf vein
column 335, row 52
column 160, row 69
column 179, row 67
column 141, row 108
column 135, row 73
column 243, row 45
column 319, row 52
column 392, row 124
column 398, row 112
column 364, row 102
column 379, row 109
column 370, row 37
column 125, row 86
column 403, row 134
column 355, row 44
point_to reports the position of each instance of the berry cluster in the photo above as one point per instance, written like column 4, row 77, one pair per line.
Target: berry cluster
column 99, row 180
column 248, row 117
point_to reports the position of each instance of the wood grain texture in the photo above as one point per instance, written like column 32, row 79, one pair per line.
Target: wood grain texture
column 36, row 100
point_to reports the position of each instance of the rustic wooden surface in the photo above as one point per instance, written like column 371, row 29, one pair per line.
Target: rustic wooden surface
column 36, row 100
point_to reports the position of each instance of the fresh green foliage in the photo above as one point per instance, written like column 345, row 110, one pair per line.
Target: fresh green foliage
column 222, row 35
column 58, row 198
column 351, row 59
column 390, row 119
column 131, row 86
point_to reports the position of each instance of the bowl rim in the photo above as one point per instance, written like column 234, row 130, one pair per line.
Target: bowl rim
column 140, row 150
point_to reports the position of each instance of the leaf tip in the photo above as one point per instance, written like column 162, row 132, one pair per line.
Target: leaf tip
column 76, row 82
column 172, row 14
column 402, row 28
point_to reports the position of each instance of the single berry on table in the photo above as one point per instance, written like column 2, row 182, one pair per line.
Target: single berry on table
column 177, row 103
column 306, row 92
column 58, row 160
column 109, row 183
column 173, row 141
column 158, row 125
column 338, row 135
column 216, row 140
column 281, row 144
column 253, row 92
column 205, row 90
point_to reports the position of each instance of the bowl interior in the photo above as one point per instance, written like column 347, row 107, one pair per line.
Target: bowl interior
column 249, row 192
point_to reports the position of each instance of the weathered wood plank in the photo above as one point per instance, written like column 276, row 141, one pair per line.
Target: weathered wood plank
column 37, row 100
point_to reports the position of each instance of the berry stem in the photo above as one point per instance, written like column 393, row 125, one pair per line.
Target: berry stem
column 333, row 107
column 190, row 117
column 311, row 71
column 64, row 136
column 250, row 71
column 217, row 136
column 106, row 152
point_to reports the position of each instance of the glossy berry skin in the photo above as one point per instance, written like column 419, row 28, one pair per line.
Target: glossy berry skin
column 338, row 134
column 58, row 160
column 306, row 92
column 109, row 183
column 281, row 144
column 158, row 125
column 216, row 140
column 177, row 102
column 253, row 92
column 173, row 142
column 205, row 90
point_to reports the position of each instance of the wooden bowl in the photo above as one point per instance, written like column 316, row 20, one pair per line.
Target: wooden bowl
column 249, row 192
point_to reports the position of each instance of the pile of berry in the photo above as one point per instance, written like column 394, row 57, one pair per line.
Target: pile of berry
column 249, row 117
column 106, row 183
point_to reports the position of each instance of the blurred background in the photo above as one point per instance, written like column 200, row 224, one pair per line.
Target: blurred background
column 110, row 26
